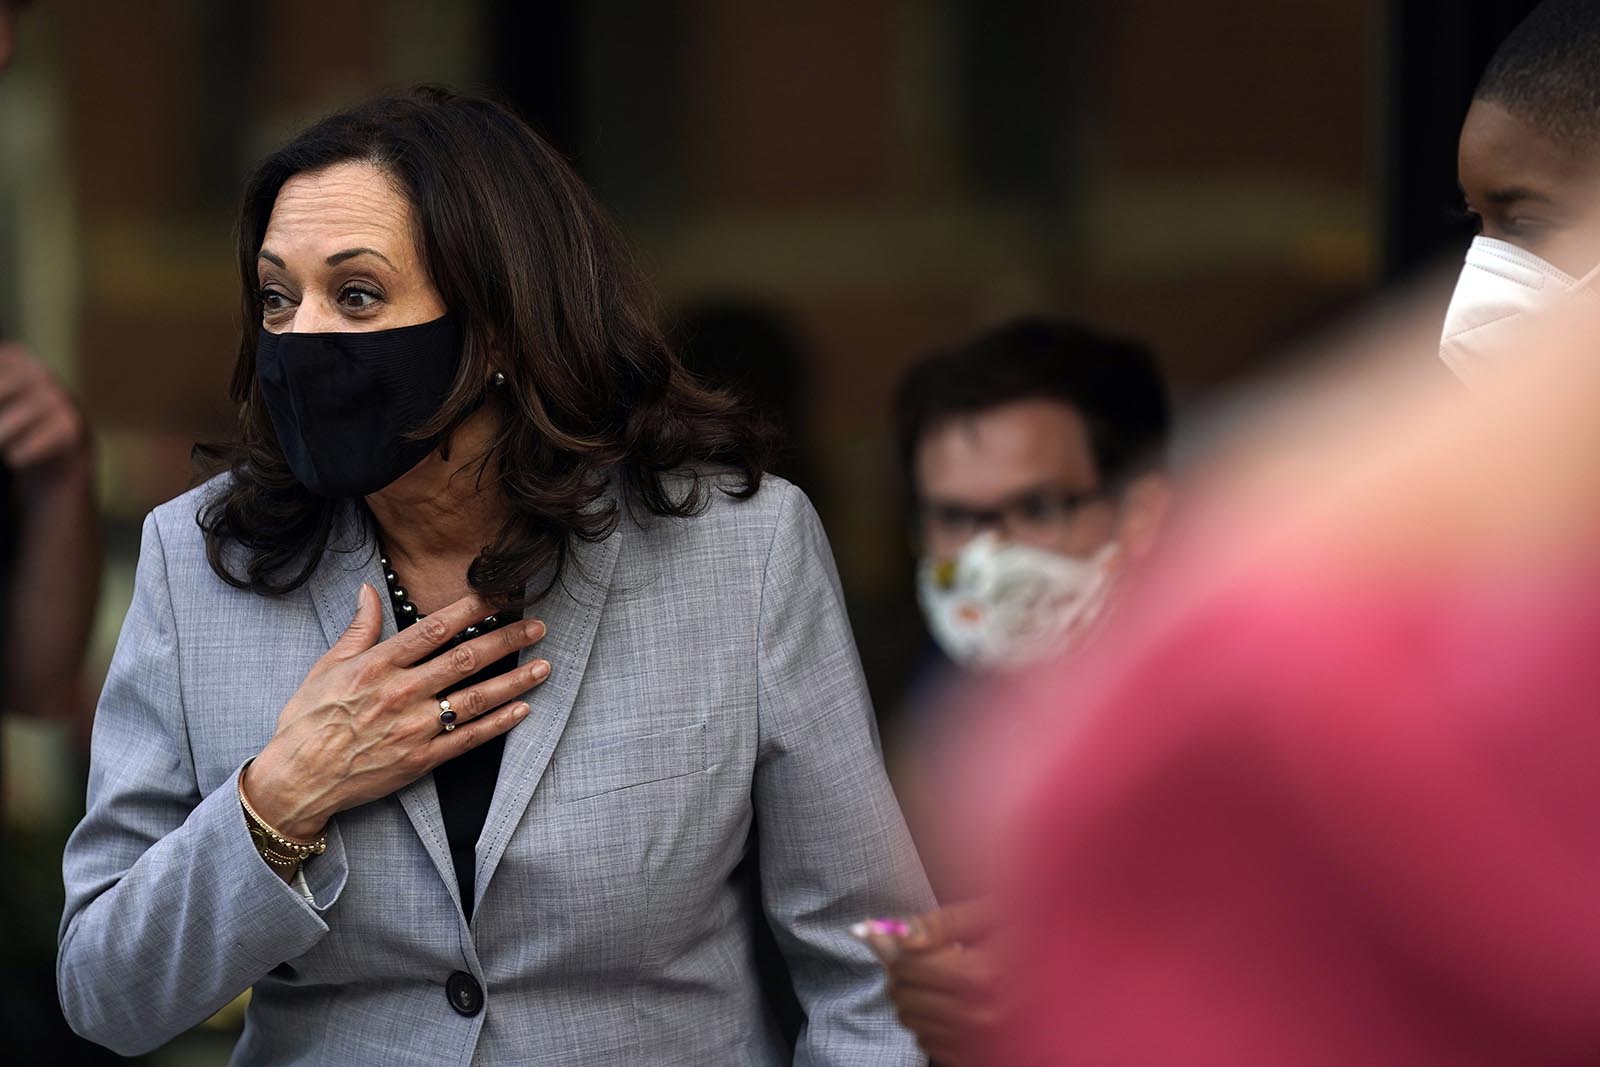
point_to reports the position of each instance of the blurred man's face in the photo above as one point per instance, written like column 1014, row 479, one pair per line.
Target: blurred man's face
column 1020, row 539
column 1024, row 470
column 1530, row 191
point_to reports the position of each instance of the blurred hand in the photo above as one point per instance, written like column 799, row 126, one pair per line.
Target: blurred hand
column 942, row 981
column 43, row 435
column 45, row 447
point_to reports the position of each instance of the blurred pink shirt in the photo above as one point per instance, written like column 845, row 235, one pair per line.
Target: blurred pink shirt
column 1316, row 818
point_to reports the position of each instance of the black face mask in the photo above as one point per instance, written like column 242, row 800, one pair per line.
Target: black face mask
column 342, row 403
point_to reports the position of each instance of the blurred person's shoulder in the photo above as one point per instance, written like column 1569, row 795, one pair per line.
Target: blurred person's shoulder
column 1376, row 539
column 1331, row 777
column 1317, row 669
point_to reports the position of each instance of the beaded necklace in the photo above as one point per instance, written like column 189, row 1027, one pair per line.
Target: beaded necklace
column 405, row 612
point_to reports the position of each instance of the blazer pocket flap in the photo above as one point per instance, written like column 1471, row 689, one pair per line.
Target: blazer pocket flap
column 624, row 764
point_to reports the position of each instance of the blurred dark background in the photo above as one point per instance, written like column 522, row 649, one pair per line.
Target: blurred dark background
column 822, row 192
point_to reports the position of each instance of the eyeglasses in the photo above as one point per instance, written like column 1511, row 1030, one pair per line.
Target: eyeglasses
column 1041, row 513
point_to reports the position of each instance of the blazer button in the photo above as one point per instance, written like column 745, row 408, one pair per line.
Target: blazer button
column 464, row 993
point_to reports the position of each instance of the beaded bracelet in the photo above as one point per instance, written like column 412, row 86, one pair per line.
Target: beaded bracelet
column 266, row 837
column 288, row 862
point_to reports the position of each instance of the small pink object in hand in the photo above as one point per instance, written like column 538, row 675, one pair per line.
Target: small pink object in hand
column 881, row 928
column 883, row 936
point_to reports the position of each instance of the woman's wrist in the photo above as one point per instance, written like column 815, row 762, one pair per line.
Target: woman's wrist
column 275, row 806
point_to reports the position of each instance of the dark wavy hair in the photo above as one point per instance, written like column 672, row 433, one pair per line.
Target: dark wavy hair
column 548, row 295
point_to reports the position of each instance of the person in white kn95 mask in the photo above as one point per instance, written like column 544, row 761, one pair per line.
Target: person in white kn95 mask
column 1529, row 166
column 1034, row 462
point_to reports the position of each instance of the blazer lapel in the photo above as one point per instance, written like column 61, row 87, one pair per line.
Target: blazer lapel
column 352, row 558
column 571, row 612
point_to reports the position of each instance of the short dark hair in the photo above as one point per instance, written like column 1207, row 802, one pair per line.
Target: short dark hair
column 1547, row 71
column 548, row 295
column 1113, row 384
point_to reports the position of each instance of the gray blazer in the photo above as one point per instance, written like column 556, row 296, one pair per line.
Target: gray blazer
column 705, row 691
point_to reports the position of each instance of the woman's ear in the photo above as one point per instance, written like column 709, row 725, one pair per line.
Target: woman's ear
column 1145, row 503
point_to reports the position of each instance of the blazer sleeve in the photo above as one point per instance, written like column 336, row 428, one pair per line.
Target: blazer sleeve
column 170, row 912
column 833, row 846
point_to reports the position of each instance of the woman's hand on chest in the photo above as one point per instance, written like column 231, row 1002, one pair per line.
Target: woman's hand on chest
column 368, row 718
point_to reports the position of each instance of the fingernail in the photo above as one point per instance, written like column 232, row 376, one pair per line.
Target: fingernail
column 877, row 936
column 534, row 630
column 880, row 928
column 519, row 711
column 540, row 669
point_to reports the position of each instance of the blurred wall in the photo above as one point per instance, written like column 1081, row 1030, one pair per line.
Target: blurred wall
column 901, row 174
column 893, row 174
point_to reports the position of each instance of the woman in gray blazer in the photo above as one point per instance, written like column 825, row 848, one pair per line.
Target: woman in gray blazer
column 447, row 711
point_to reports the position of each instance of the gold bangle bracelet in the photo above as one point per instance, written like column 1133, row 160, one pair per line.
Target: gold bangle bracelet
column 300, row 850
column 277, row 860
column 265, row 850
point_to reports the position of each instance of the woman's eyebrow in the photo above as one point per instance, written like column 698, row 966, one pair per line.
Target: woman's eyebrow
column 350, row 253
column 333, row 260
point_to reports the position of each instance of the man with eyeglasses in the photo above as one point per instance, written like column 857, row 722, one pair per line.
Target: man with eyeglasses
column 1034, row 458
column 1034, row 469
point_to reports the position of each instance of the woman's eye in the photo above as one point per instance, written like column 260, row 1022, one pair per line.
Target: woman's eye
column 357, row 299
column 272, row 300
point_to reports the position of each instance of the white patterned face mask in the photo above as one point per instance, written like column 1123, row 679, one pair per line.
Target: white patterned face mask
column 1500, row 286
column 1007, row 605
